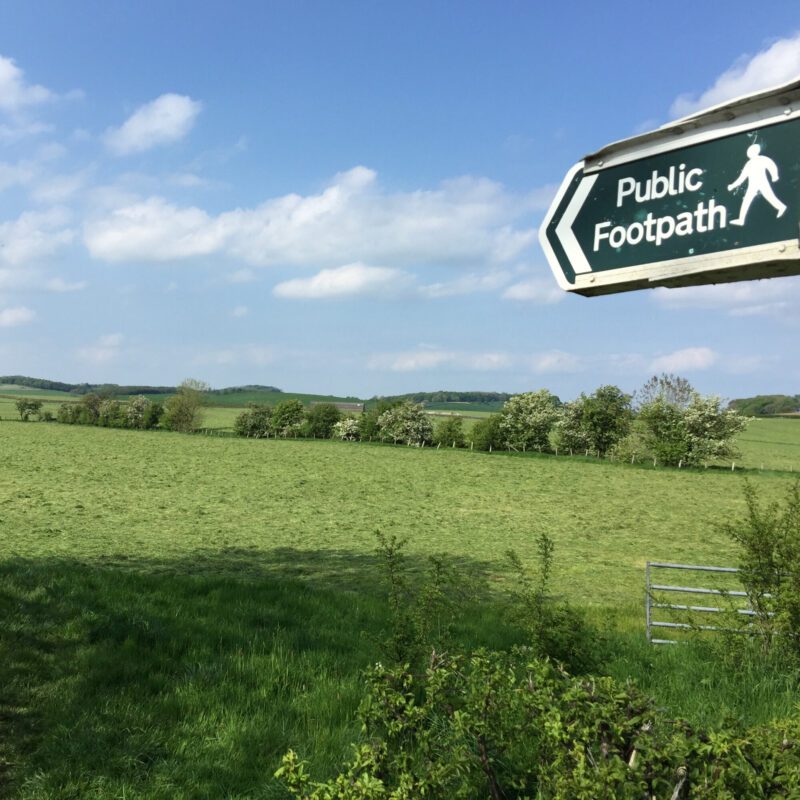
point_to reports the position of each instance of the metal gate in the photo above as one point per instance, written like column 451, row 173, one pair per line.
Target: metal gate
column 682, row 614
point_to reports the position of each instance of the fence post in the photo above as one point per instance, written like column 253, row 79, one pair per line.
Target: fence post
column 647, row 599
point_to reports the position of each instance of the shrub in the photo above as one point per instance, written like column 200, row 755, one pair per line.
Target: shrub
column 67, row 413
column 554, row 628
column 320, row 420
column 26, row 407
column 348, row 429
column 110, row 414
column 153, row 415
column 421, row 614
column 408, row 423
column 88, row 409
column 368, row 422
column 287, row 417
column 696, row 433
column 255, row 421
column 606, row 418
column 183, row 411
column 136, row 412
column 769, row 542
column 449, row 432
column 570, row 434
column 487, row 434
column 527, row 420
column 509, row 725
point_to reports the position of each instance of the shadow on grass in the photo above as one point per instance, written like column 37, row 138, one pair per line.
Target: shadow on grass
column 190, row 677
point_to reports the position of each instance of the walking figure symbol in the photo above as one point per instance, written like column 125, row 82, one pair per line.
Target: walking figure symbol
column 758, row 172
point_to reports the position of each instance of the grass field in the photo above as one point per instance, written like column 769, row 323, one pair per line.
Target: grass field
column 179, row 610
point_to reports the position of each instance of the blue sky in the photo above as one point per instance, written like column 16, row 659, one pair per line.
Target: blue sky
column 344, row 197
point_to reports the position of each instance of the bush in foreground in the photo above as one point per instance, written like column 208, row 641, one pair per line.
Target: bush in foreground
column 508, row 725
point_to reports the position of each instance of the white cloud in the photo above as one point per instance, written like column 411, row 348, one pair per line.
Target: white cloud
column 464, row 222
column 689, row 359
column 60, row 285
column 164, row 120
column 468, row 284
column 105, row 349
column 242, row 276
column 556, row 361
column 17, row 174
column 428, row 358
column 187, row 180
column 240, row 311
column 22, row 130
column 778, row 63
column 16, row 94
column 774, row 297
column 34, row 235
column 59, row 188
column 248, row 355
column 535, row 290
column 11, row 317
column 351, row 280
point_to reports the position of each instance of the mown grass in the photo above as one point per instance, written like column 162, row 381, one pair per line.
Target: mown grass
column 114, row 495
column 179, row 610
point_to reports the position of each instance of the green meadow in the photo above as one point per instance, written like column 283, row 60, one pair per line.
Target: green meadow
column 177, row 611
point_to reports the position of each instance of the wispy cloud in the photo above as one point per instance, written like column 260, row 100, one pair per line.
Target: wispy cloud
column 240, row 311
column 102, row 351
column 776, row 64
column 33, row 236
column 557, row 361
column 535, row 290
column 242, row 276
column 430, row 358
column 467, row 284
column 777, row 298
column 248, row 355
column 690, row 359
column 16, row 94
column 11, row 317
column 61, row 286
column 351, row 280
column 165, row 120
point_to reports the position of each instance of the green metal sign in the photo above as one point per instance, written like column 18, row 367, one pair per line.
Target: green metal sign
column 709, row 199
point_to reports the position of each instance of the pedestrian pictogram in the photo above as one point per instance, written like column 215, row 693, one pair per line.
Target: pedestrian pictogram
column 758, row 172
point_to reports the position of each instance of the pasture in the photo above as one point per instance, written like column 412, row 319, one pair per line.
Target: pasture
column 179, row 610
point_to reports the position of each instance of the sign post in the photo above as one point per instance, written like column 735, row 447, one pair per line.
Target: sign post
column 710, row 198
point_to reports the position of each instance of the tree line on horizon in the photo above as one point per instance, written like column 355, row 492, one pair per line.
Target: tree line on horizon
column 756, row 406
column 666, row 420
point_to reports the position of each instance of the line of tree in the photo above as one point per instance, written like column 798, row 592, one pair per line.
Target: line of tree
column 767, row 405
column 181, row 412
column 667, row 420
column 102, row 389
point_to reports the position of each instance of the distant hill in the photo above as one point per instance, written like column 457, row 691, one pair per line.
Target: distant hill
column 26, row 382
column 235, row 396
column 767, row 405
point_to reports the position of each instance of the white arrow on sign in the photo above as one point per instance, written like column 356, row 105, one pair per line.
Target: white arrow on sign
column 569, row 242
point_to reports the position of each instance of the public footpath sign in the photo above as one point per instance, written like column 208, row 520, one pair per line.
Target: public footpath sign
column 710, row 198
